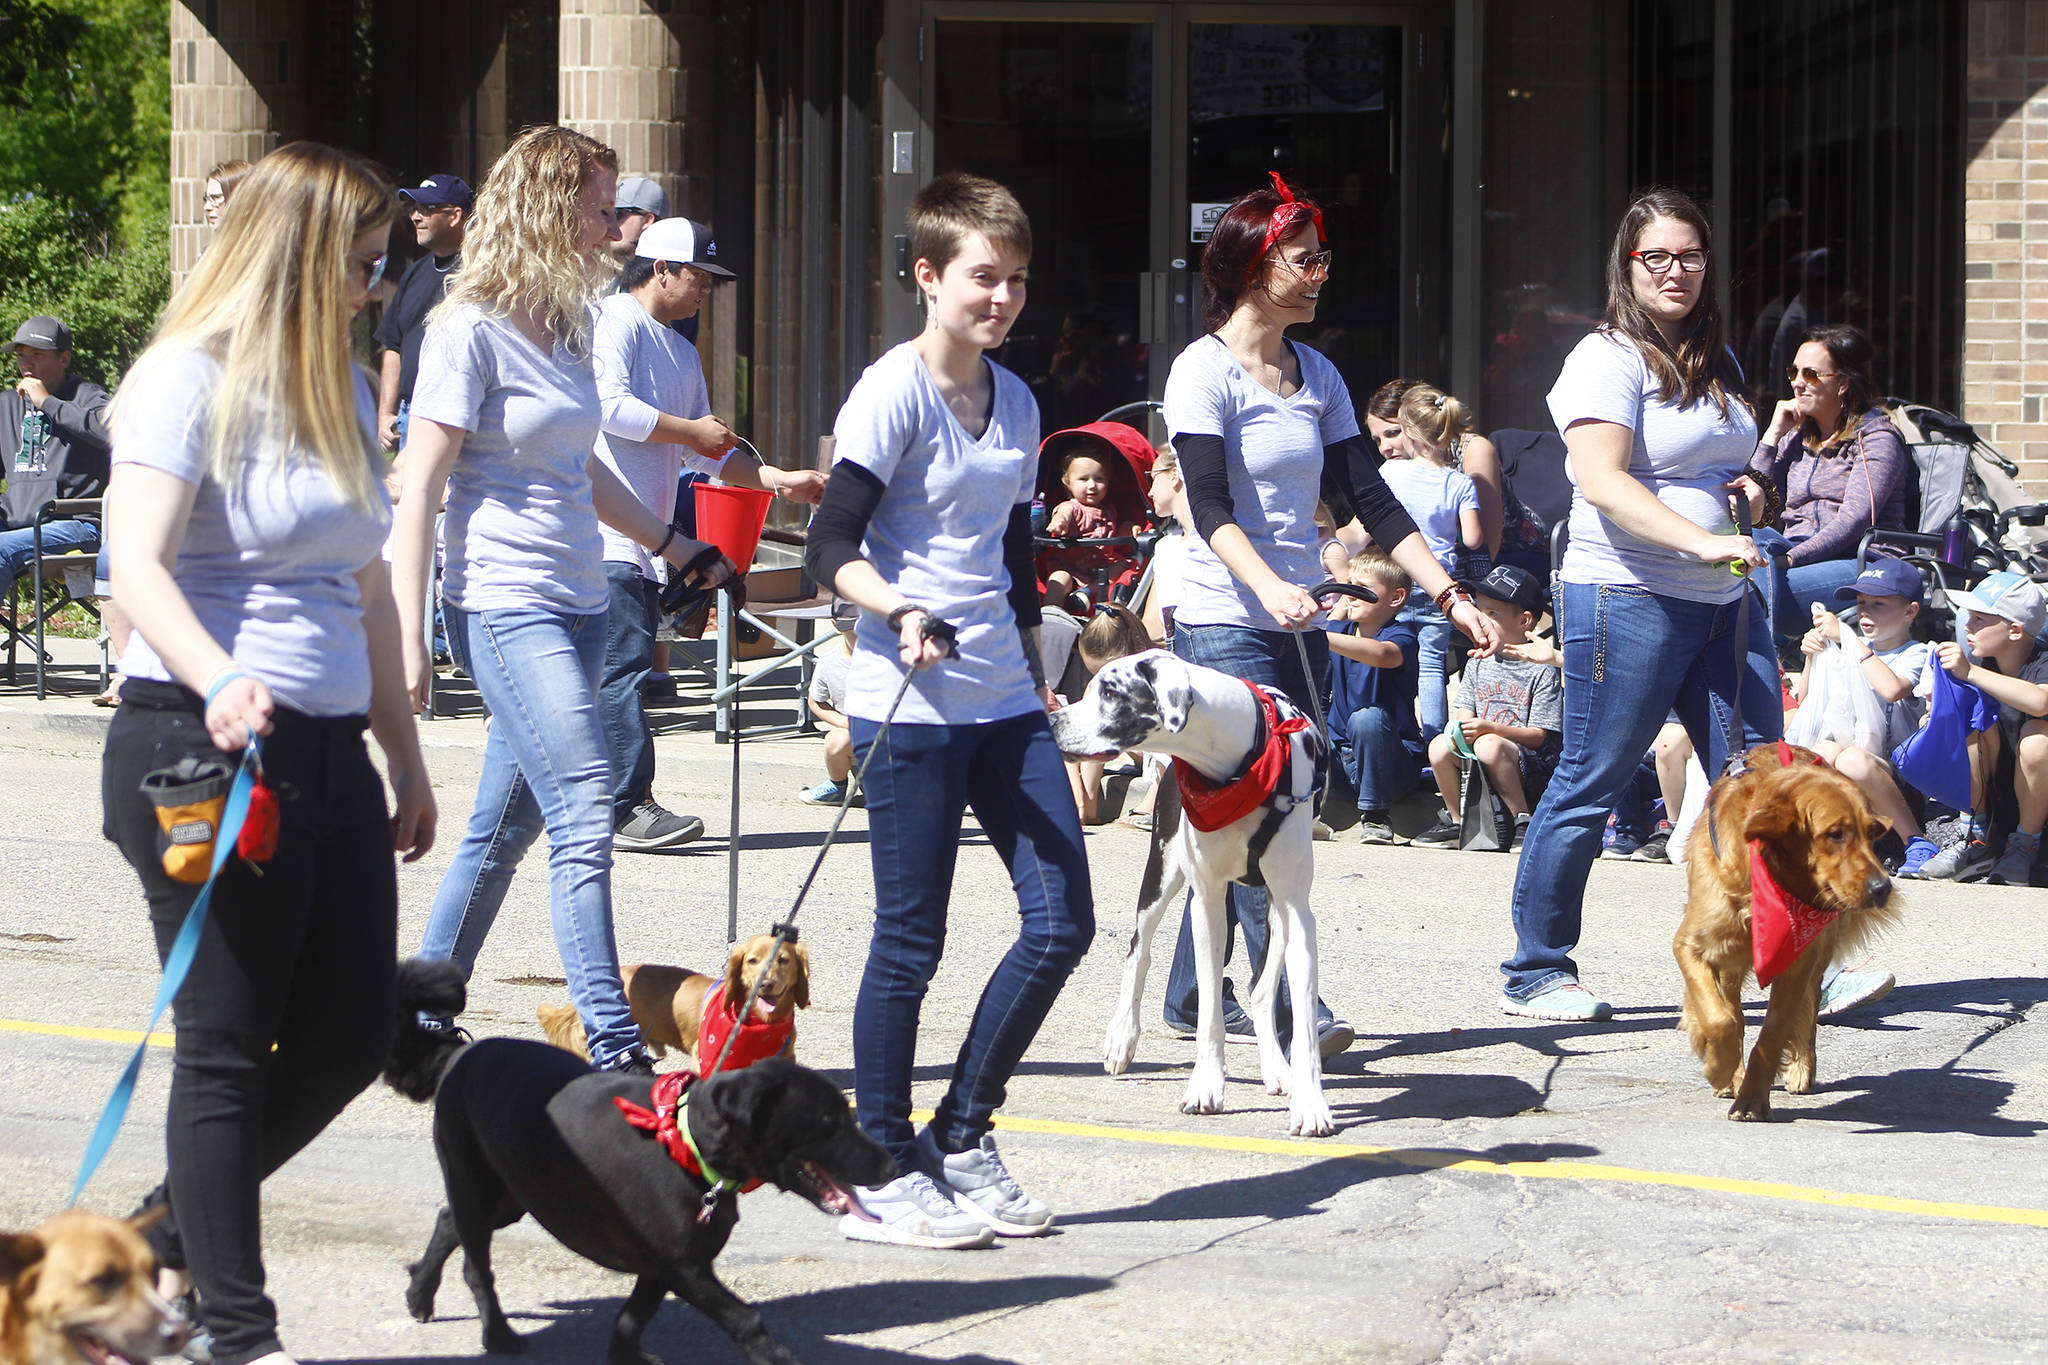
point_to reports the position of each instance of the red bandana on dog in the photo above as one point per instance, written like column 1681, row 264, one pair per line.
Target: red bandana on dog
column 1780, row 924
column 1211, row 807
column 759, row 1038
column 671, row 1129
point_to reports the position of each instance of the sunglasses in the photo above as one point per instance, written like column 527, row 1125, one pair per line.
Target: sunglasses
column 372, row 268
column 1315, row 264
column 1808, row 373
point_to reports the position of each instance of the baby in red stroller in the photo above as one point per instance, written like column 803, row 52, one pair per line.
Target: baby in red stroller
column 1093, row 477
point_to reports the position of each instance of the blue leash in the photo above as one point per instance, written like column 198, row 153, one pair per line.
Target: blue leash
column 176, row 965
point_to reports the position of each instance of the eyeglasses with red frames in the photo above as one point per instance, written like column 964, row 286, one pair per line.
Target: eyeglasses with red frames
column 1657, row 262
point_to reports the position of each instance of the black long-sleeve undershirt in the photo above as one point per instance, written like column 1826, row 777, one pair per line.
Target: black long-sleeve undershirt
column 1350, row 477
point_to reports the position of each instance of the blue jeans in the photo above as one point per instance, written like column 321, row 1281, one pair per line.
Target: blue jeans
column 1010, row 774
column 628, row 659
column 1260, row 656
column 404, row 420
column 1381, row 765
column 545, row 766
column 1432, row 653
column 1630, row 657
column 1792, row 591
column 18, row 548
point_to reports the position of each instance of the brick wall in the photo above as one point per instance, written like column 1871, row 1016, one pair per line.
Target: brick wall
column 237, row 90
column 2005, row 232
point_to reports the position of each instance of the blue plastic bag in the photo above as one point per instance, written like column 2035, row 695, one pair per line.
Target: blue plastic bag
column 1936, row 757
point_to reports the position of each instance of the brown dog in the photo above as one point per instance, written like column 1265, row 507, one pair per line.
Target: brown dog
column 81, row 1288
column 669, row 1002
column 1814, row 833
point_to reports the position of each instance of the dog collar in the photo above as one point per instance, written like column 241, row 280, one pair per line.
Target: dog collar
column 669, row 1120
column 1211, row 806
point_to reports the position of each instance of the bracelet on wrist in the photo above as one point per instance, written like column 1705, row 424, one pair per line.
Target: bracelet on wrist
column 1451, row 595
column 666, row 541
column 221, row 677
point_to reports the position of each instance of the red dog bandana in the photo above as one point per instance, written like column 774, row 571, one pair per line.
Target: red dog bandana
column 1780, row 924
column 1211, row 807
column 759, row 1038
column 670, row 1126
column 1285, row 219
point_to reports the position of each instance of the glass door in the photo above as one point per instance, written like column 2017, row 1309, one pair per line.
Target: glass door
column 1060, row 103
column 1325, row 105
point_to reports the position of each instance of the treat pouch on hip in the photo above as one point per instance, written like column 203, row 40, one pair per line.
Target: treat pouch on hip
column 189, row 799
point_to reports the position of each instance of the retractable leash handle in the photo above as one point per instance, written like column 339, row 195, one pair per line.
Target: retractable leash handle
column 177, row 964
column 1332, row 588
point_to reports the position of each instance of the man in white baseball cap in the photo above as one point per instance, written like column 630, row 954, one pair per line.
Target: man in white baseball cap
column 656, row 417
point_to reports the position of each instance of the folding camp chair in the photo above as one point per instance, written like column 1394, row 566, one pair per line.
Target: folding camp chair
column 31, row 503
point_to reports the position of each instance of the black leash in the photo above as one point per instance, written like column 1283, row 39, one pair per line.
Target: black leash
column 784, row 931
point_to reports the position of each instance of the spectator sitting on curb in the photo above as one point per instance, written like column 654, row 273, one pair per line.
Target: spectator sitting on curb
column 1511, row 712
column 828, row 708
column 2008, row 661
column 1374, row 736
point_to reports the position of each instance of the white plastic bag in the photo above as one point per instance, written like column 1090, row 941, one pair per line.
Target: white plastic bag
column 1840, row 705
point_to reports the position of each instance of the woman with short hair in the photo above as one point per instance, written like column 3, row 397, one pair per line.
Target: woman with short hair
column 505, row 413
column 251, row 525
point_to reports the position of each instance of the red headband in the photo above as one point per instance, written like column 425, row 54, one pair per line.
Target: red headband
column 1286, row 218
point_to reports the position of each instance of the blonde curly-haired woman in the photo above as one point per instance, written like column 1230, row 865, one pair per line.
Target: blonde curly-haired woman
column 505, row 413
column 251, row 520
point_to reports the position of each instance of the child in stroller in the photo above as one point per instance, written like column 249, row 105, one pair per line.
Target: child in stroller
column 1093, row 478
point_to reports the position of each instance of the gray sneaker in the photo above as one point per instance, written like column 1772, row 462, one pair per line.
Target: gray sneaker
column 2015, row 867
column 983, row 1187
column 1964, row 862
column 650, row 828
column 1374, row 829
column 912, row 1211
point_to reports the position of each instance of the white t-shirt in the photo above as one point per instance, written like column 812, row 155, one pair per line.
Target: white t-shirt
column 937, row 534
column 1684, row 456
column 521, row 529
column 1273, row 451
column 644, row 370
column 1909, row 664
column 1435, row 495
column 270, row 566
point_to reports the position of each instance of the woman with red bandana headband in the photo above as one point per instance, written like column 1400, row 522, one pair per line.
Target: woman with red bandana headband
column 1264, row 428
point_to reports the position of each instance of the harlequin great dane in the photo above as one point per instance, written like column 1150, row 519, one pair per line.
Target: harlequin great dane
column 1237, row 806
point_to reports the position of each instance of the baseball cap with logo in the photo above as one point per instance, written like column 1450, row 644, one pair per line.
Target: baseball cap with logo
column 43, row 332
column 441, row 189
column 2013, row 596
column 1884, row 578
column 684, row 240
column 1516, row 587
column 638, row 194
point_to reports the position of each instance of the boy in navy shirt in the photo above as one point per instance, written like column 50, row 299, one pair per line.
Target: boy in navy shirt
column 1373, row 731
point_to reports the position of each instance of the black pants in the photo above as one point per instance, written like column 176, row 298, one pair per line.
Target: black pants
column 301, row 957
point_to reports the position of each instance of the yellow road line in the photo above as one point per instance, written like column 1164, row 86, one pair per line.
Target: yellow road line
column 1411, row 1158
column 98, row 1035
column 1585, row 1172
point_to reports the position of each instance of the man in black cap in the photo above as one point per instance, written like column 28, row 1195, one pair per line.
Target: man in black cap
column 441, row 206
column 50, row 420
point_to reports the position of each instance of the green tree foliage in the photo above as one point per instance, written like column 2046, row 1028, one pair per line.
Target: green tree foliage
column 85, row 181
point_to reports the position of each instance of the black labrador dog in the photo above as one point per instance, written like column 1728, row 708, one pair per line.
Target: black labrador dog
column 524, row 1127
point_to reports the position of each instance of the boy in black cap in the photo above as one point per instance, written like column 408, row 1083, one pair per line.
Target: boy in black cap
column 1509, row 712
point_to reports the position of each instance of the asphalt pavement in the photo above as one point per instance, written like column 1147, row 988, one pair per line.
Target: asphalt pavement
column 1498, row 1190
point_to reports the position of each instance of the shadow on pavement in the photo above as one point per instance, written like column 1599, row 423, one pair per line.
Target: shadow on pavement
column 1297, row 1193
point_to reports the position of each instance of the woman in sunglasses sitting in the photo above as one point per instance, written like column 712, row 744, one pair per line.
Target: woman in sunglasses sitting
column 1839, row 465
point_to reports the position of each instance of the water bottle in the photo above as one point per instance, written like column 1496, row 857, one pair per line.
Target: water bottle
column 1955, row 545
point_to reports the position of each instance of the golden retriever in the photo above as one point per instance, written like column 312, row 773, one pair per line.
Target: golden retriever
column 1815, row 835
column 80, row 1288
column 669, row 1002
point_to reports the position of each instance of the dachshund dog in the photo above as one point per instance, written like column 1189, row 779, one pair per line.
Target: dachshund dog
column 80, row 1290
column 670, row 1004
column 1789, row 843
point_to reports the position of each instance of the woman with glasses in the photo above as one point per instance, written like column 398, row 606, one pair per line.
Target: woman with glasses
column 1839, row 465
column 505, row 413
column 1649, row 617
column 1264, row 429
column 252, row 521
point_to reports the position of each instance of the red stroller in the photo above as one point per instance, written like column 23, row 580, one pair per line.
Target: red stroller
column 1110, row 566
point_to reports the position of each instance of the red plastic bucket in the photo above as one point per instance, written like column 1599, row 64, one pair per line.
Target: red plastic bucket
column 731, row 518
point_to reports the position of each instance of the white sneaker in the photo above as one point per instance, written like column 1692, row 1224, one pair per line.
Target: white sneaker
column 983, row 1187
column 912, row 1211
